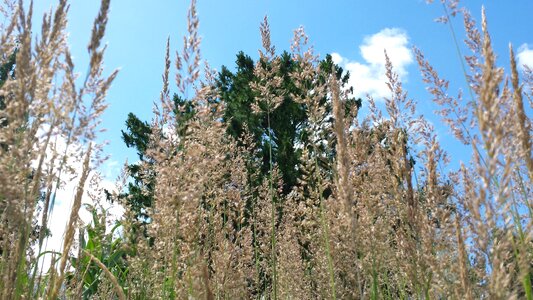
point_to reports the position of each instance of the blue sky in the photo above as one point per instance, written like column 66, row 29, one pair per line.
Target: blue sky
column 353, row 29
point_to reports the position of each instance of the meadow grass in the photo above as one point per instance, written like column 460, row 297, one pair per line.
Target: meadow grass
column 364, row 221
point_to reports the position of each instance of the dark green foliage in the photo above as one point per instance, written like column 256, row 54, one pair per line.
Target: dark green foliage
column 106, row 247
column 184, row 111
column 288, row 122
column 137, row 135
column 288, row 127
column 236, row 92
column 140, row 191
column 7, row 70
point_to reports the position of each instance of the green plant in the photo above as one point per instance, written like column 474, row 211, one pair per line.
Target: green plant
column 98, row 245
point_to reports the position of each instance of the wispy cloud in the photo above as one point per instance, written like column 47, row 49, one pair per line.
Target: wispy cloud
column 65, row 192
column 525, row 56
column 368, row 77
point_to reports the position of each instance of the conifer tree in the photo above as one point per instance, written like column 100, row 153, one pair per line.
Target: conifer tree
column 288, row 127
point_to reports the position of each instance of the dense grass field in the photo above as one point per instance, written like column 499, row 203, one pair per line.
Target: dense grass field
column 266, row 182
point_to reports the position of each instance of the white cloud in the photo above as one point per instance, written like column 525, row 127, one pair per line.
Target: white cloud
column 63, row 206
column 369, row 77
column 337, row 59
column 66, row 191
column 525, row 56
column 111, row 169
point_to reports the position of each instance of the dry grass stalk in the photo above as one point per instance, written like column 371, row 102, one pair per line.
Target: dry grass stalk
column 71, row 226
column 118, row 290
column 43, row 109
column 523, row 124
column 488, row 193
column 363, row 221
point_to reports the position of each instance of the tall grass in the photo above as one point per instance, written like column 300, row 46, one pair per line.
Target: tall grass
column 374, row 215
column 48, row 122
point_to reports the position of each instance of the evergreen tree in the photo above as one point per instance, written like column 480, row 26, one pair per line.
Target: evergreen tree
column 287, row 122
column 7, row 70
column 140, row 191
column 137, row 135
column 288, row 126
